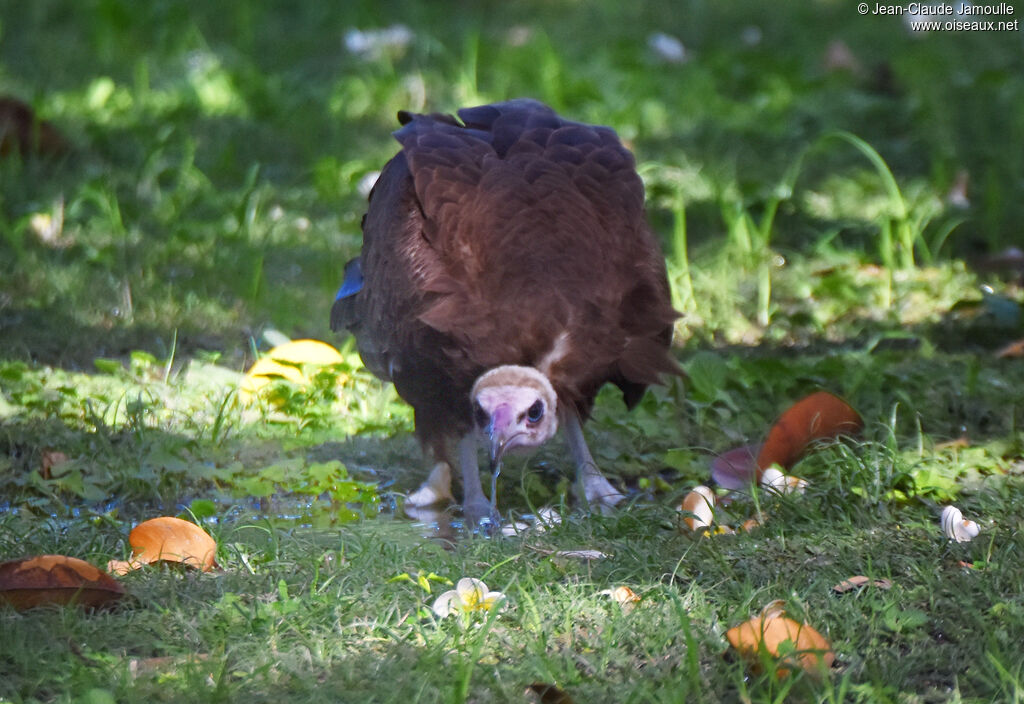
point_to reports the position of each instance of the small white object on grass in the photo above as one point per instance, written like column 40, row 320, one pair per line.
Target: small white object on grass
column 667, row 48
column 955, row 527
column 774, row 480
column 701, row 503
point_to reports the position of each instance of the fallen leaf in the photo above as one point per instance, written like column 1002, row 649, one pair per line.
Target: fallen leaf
column 700, row 503
column 168, row 539
column 819, row 416
column 56, row 579
column 622, row 594
column 50, row 459
column 737, row 468
column 166, row 663
column 1013, row 350
column 286, row 362
column 955, row 527
column 542, row 693
column 860, row 581
column 578, row 554
column 749, row 525
column 770, row 631
column 954, row 444
column 582, row 554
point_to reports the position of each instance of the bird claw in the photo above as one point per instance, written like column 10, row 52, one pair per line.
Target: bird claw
column 600, row 495
column 482, row 515
column 435, row 490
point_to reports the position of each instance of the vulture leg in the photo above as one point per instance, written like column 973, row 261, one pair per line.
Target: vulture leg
column 435, row 490
column 591, row 485
column 474, row 505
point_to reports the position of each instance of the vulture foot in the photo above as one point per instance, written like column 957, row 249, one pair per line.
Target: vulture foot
column 435, row 490
column 479, row 512
column 482, row 514
column 592, row 486
column 598, row 492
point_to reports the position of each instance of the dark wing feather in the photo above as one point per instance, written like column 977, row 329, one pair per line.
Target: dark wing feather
column 486, row 243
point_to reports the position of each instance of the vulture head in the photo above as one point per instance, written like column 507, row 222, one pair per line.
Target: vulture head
column 515, row 408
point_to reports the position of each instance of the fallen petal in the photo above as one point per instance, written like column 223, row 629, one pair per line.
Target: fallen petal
column 955, row 527
column 774, row 480
column 700, row 503
column 820, row 416
column 471, row 592
column 56, row 579
column 443, row 604
column 737, row 468
column 173, row 540
column 770, row 631
column 623, row 594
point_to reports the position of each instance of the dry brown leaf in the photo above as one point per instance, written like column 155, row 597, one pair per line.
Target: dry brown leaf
column 172, row 540
column 819, row 416
column 543, row 693
column 622, row 594
column 50, row 459
column 1011, row 351
column 860, row 581
column 954, row 444
column 56, row 579
column 770, row 631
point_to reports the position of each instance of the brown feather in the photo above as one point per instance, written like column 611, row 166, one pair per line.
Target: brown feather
column 484, row 242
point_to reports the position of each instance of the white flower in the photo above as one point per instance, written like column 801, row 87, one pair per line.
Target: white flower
column 955, row 527
column 468, row 596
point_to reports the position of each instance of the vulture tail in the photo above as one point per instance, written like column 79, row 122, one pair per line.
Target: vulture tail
column 344, row 313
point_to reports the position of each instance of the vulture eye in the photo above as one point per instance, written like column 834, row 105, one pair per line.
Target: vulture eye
column 480, row 416
column 535, row 412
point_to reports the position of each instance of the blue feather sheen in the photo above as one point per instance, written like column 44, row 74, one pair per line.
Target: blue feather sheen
column 353, row 281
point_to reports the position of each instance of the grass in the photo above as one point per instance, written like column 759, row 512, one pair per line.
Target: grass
column 208, row 205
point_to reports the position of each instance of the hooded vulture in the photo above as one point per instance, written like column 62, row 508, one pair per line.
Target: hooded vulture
column 507, row 273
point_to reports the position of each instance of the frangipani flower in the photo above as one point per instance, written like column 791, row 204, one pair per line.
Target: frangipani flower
column 468, row 596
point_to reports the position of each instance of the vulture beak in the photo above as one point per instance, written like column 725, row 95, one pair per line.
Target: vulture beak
column 500, row 431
